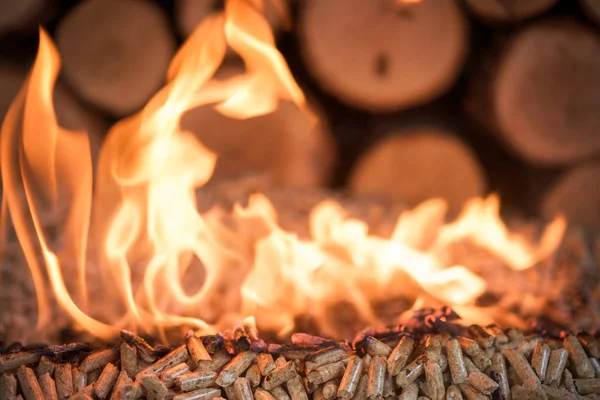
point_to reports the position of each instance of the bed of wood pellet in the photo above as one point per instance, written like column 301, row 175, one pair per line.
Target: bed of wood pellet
column 430, row 358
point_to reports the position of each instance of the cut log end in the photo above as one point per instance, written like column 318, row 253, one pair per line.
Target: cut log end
column 546, row 93
column 508, row 10
column 415, row 166
column 576, row 195
column 284, row 145
column 358, row 50
column 115, row 53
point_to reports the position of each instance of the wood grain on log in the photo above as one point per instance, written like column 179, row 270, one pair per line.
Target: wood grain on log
column 592, row 9
column 508, row 10
column 576, row 195
column 417, row 165
column 284, row 144
column 189, row 13
column 383, row 55
column 542, row 97
column 115, row 53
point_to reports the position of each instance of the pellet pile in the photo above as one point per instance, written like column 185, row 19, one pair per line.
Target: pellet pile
column 430, row 357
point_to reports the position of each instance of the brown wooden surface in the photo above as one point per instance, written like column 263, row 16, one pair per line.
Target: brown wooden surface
column 381, row 55
column 416, row 165
column 116, row 53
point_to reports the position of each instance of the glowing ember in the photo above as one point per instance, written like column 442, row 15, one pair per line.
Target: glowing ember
column 159, row 263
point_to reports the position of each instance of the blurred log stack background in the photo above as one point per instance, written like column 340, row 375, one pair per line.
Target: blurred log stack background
column 450, row 98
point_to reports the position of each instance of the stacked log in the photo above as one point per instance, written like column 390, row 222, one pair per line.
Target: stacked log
column 542, row 97
column 536, row 88
column 383, row 55
column 115, row 53
column 417, row 164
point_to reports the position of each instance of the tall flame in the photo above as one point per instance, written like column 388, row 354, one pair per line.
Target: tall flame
column 47, row 165
column 159, row 263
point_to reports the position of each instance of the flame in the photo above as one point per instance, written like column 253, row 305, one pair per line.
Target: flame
column 47, row 165
column 158, row 263
column 343, row 263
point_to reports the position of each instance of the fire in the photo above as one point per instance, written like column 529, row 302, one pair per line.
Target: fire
column 158, row 263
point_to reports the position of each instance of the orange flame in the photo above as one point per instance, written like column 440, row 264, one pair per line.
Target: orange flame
column 343, row 263
column 158, row 263
column 47, row 165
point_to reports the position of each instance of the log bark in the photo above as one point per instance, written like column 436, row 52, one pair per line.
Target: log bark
column 592, row 9
column 189, row 13
column 283, row 146
column 115, row 53
column 506, row 11
column 539, row 93
column 576, row 195
column 415, row 165
column 359, row 50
